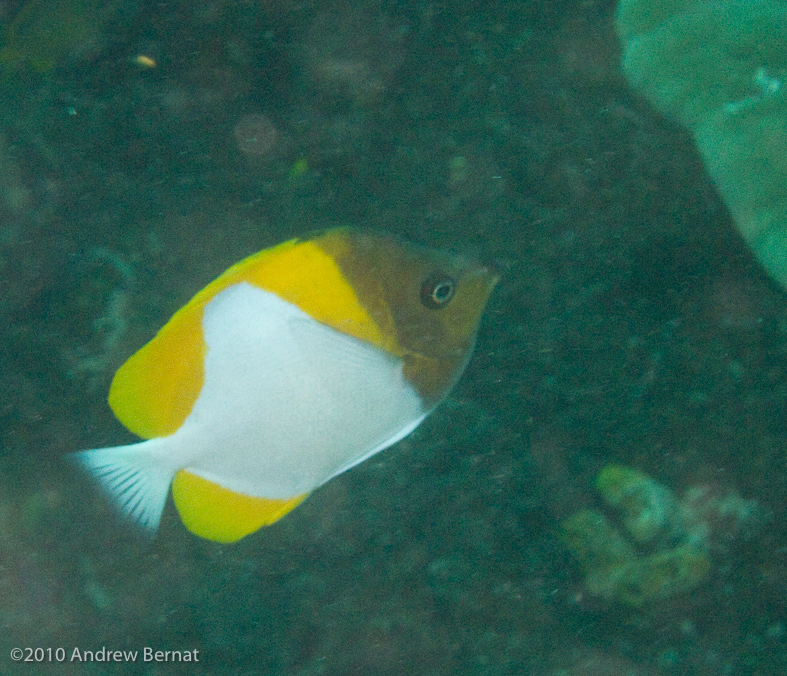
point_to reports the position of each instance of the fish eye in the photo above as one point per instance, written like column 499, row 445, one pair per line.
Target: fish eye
column 437, row 290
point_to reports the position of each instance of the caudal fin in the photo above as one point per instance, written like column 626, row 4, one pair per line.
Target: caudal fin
column 137, row 483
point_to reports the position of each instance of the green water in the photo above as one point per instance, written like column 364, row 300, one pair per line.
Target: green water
column 631, row 326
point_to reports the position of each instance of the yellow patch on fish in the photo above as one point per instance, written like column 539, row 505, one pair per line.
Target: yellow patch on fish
column 292, row 366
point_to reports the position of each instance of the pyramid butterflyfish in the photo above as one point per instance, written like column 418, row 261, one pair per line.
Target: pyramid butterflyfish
column 294, row 365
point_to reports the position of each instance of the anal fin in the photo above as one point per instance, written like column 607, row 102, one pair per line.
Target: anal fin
column 222, row 515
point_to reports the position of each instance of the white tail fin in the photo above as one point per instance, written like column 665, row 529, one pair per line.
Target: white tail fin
column 133, row 476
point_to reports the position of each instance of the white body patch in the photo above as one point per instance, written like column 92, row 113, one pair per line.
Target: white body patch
column 288, row 402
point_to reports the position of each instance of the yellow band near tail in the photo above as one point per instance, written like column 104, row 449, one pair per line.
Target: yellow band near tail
column 219, row 514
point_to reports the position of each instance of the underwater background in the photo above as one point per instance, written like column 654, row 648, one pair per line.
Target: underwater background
column 604, row 490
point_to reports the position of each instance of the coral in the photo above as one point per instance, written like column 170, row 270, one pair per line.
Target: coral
column 718, row 69
column 648, row 509
column 664, row 546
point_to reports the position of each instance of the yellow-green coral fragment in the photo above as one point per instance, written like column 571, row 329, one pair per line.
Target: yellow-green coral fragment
column 615, row 564
column 648, row 509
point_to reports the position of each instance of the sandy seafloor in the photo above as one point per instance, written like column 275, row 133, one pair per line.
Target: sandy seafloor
column 631, row 326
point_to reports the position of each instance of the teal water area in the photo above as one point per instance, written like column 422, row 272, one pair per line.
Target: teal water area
column 631, row 328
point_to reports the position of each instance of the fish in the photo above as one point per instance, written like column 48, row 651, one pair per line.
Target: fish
column 294, row 365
